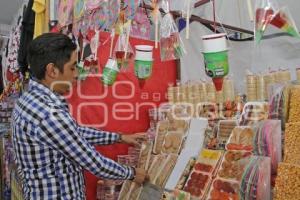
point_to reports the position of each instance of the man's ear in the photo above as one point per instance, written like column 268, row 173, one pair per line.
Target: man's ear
column 52, row 71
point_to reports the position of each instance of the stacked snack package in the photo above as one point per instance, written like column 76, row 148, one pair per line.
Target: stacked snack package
column 251, row 82
column 283, row 76
column 211, row 92
column 241, row 176
column 254, row 112
column 241, row 138
column 225, row 128
column 202, row 173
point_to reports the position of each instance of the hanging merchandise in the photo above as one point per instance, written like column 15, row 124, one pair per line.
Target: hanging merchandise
column 79, row 8
column 143, row 61
column 268, row 12
column 111, row 69
column 215, row 54
column 141, row 27
column 65, row 12
column 284, row 21
column 171, row 46
column 110, row 72
column 93, row 4
column 123, row 52
column 131, row 8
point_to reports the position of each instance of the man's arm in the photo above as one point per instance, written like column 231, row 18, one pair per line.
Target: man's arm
column 59, row 131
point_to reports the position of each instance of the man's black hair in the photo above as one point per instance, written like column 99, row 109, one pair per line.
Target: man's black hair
column 49, row 48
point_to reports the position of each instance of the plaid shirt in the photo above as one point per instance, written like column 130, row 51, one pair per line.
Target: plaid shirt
column 52, row 149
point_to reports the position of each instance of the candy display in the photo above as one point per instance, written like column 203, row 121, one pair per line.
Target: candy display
column 287, row 182
column 294, row 111
column 241, row 139
column 292, row 139
column 207, row 161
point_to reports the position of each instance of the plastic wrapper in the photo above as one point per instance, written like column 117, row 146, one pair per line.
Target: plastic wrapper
column 207, row 161
column 251, row 82
column 197, row 184
column 145, row 154
column 277, row 103
column 162, row 130
column 172, row 142
column 211, row 92
column 225, row 128
column 267, row 142
column 123, row 195
column 156, row 165
column 65, row 12
column 254, row 112
column 141, row 27
column 176, row 195
column 108, row 189
column 287, row 182
column 171, row 46
column 233, row 165
column 165, row 170
column 255, row 183
column 131, row 7
column 93, row 4
column 241, row 138
column 186, row 173
column 79, row 9
column 207, row 110
column 222, row 189
column 123, row 51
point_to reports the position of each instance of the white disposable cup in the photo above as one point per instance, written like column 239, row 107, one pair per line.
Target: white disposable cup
column 214, row 43
column 144, row 52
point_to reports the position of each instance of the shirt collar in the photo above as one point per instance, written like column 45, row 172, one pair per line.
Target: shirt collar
column 57, row 98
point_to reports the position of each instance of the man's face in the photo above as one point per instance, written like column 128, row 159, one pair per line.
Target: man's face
column 64, row 81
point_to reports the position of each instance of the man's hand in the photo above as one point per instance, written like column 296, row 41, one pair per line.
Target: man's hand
column 141, row 176
column 135, row 139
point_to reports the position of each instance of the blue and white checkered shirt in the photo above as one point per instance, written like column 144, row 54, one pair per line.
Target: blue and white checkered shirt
column 52, row 149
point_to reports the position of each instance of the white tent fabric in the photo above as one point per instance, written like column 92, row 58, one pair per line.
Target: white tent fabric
column 271, row 54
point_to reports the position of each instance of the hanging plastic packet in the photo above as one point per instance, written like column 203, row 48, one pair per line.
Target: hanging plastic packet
column 171, row 46
column 186, row 8
column 65, row 12
column 79, row 8
column 264, row 13
column 93, row 4
column 141, row 27
column 123, row 51
column 131, row 8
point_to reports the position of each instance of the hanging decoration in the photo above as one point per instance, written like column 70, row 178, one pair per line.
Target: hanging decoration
column 65, row 12
column 123, row 51
column 156, row 16
column 215, row 54
column 79, row 8
column 268, row 13
column 140, row 27
column 171, row 45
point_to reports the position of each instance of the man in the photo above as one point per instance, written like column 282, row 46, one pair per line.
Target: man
column 51, row 148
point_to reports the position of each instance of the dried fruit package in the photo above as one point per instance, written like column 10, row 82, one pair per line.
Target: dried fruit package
column 161, row 131
column 197, row 184
column 241, row 138
column 171, row 45
column 233, row 165
column 207, row 161
column 165, row 170
column 145, row 154
column 172, row 142
column 222, row 189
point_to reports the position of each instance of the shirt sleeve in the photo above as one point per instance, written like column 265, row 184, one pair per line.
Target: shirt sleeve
column 94, row 136
column 59, row 131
